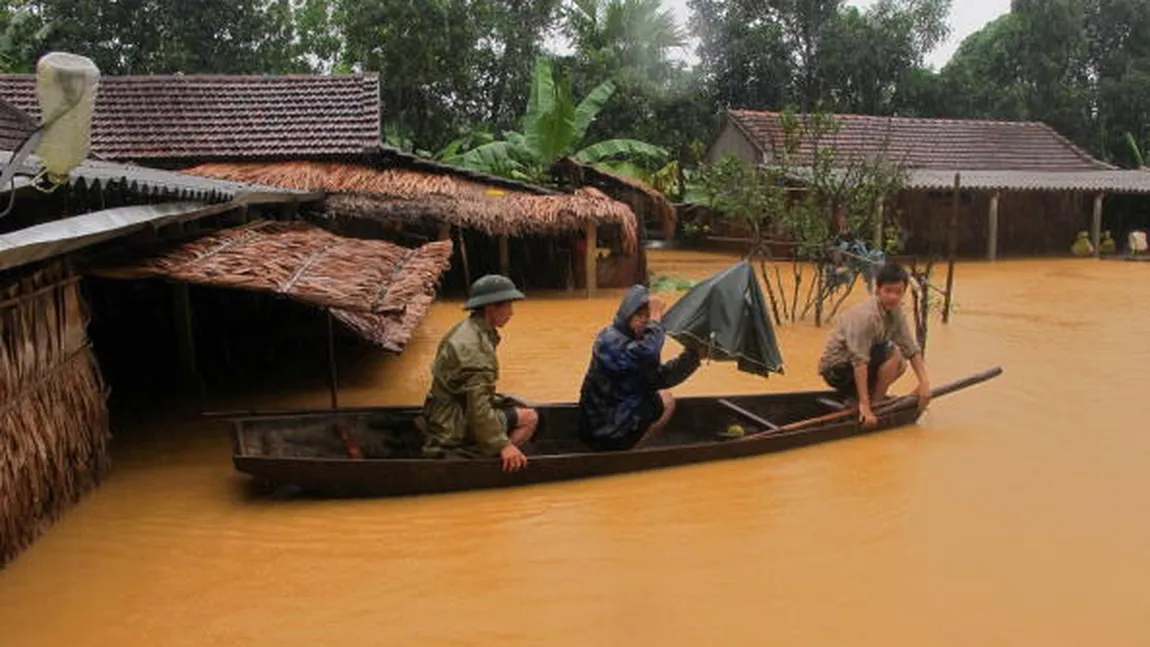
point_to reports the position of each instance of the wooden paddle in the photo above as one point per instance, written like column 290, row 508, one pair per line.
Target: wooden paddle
column 884, row 408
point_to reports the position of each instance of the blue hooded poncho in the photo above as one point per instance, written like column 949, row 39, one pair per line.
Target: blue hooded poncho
column 623, row 373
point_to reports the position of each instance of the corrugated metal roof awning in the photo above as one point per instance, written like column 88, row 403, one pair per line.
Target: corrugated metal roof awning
column 50, row 239
column 172, row 184
column 1109, row 181
column 1115, row 181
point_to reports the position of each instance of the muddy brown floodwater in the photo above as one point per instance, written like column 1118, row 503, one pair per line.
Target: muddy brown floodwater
column 1013, row 514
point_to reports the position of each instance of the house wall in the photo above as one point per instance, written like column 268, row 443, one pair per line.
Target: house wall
column 732, row 141
column 53, row 415
column 1030, row 223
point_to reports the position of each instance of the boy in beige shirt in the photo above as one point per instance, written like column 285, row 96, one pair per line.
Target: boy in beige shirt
column 870, row 346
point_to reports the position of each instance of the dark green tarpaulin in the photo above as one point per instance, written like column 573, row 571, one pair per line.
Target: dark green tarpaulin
column 727, row 313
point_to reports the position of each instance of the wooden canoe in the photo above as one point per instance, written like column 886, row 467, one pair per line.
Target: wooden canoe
column 307, row 450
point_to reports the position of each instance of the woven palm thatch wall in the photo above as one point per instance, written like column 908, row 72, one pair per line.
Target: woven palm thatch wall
column 380, row 290
column 409, row 195
column 54, row 429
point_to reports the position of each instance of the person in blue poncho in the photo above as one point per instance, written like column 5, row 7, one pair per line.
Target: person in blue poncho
column 624, row 400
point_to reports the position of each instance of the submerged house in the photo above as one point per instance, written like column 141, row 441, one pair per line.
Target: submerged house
column 1023, row 188
column 77, row 321
column 323, row 133
column 202, row 200
column 491, row 220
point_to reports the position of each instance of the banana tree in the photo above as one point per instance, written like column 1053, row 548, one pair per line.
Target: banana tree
column 554, row 127
column 399, row 138
column 1135, row 150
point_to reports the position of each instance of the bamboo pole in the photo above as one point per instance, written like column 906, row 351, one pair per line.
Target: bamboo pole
column 925, row 316
column 992, row 229
column 952, row 251
column 186, row 336
column 1096, row 225
column 883, row 408
column 592, row 259
column 504, row 256
column 759, row 255
column 333, row 378
column 880, row 211
column 466, row 265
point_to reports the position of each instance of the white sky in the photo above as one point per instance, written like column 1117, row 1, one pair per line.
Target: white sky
column 966, row 17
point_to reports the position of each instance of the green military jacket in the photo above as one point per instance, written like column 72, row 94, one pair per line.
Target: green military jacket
column 462, row 411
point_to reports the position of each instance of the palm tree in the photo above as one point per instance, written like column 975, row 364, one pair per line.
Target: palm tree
column 553, row 128
column 628, row 37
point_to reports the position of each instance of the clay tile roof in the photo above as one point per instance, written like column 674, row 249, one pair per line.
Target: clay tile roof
column 15, row 126
column 210, row 117
column 938, row 144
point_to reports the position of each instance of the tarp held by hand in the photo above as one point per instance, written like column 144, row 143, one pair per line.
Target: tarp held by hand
column 727, row 314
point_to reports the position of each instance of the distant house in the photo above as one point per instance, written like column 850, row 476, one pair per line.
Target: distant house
column 1024, row 189
column 313, row 131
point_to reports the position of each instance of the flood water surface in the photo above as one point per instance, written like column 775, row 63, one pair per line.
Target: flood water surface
column 1013, row 514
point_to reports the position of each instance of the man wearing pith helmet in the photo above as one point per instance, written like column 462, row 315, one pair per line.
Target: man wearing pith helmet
column 465, row 416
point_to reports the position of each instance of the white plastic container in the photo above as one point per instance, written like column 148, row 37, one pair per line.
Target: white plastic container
column 66, row 86
column 1137, row 242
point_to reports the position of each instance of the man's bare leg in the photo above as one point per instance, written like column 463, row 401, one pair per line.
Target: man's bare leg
column 888, row 374
column 657, row 426
column 528, row 422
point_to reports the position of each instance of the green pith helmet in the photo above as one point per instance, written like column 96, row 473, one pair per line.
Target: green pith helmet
column 492, row 288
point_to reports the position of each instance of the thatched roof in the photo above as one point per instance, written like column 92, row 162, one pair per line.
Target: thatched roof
column 639, row 195
column 379, row 289
column 403, row 194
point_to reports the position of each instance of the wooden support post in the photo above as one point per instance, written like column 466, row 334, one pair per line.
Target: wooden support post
column 333, row 378
column 592, row 259
column 185, row 335
column 952, row 248
column 463, row 259
column 924, row 318
column 879, row 212
column 992, row 229
column 1096, row 225
column 504, row 256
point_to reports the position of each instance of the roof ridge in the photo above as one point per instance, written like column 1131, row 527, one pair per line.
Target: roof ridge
column 927, row 142
column 208, row 76
column 853, row 115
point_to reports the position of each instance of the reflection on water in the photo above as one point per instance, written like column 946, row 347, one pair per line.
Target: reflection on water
column 1011, row 515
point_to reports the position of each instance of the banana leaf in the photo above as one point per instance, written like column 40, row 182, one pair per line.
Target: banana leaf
column 727, row 316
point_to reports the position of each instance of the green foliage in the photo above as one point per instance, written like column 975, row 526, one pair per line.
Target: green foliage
column 778, row 52
column 661, row 283
column 738, row 191
column 810, row 193
column 554, row 127
column 447, row 66
column 1135, row 151
column 166, row 36
column 1082, row 67
column 456, row 74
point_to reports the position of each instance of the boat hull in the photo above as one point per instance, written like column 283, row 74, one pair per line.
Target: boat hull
column 693, row 437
